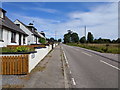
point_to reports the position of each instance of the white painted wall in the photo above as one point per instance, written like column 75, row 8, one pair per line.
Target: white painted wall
column 31, row 38
column 7, row 39
column 35, row 58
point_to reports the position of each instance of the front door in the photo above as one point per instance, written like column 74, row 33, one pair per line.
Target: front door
column 19, row 39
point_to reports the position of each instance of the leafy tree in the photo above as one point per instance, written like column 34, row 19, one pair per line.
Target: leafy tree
column 100, row 40
column 74, row 37
column 67, row 38
column 52, row 39
column 71, row 37
column 59, row 40
column 90, row 37
column 42, row 40
column 118, row 40
column 83, row 40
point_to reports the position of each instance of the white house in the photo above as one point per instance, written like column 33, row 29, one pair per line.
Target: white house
column 34, row 36
column 42, row 34
column 10, row 34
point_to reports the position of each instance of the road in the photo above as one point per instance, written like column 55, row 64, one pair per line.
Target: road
column 89, row 70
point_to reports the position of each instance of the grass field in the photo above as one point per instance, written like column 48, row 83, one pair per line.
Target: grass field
column 103, row 48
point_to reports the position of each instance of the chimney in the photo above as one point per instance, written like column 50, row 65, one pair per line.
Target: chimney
column 30, row 24
column 2, row 13
column 42, row 33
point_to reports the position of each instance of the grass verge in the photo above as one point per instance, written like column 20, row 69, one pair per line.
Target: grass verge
column 103, row 48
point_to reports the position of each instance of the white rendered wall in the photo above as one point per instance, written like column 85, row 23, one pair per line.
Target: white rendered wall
column 30, row 38
column 35, row 58
column 7, row 39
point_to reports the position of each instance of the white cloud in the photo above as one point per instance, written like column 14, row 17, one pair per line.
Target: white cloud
column 46, row 10
column 102, row 21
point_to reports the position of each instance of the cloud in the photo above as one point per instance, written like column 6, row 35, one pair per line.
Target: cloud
column 48, row 10
column 102, row 21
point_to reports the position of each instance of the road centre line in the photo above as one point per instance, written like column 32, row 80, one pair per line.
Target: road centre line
column 109, row 64
column 73, row 80
column 65, row 57
column 87, row 54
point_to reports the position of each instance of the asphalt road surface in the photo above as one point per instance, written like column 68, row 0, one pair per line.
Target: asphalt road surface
column 90, row 70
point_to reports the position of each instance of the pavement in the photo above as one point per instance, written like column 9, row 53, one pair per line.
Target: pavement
column 51, row 75
column 89, row 70
column 48, row 73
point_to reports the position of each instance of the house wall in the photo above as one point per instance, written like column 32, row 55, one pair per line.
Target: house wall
column 30, row 38
column 7, row 39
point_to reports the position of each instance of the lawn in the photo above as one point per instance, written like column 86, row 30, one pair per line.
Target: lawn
column 103, row 48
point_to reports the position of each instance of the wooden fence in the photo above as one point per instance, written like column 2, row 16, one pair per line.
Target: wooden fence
column 13, row 65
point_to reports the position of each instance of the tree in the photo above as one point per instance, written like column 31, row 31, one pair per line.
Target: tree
column 42, row 40
column 83, row 40
column 118, row 40
column 67, row 38
column 74, row 37
column 90, row 37
column 51, row 39
column 71, row 37
column 59, row 40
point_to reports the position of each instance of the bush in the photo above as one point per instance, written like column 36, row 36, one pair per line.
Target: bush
column 22, row 49
column 17, row 49
column 42, row 40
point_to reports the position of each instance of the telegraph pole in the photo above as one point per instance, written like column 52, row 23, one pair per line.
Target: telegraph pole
column 85, row 33
column 55, row 34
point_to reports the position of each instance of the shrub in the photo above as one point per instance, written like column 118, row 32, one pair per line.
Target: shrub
column 22, row 49
column 42, row 40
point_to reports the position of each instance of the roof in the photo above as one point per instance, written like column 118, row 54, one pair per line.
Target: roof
column 2, row 10
column 33, row 31
column 6, row 22
column 29, row 28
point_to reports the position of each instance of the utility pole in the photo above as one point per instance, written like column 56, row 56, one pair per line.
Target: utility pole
column 55, row 34
column 85, row 33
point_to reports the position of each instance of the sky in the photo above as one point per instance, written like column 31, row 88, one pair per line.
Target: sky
column 100, row 18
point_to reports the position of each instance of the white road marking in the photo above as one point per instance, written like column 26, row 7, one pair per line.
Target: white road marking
column 70, row 72
column 65, row 57
column 74, row 83
column 87, row 54
column 109, row 64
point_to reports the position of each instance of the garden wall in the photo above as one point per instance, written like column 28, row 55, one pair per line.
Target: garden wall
column 35, row 58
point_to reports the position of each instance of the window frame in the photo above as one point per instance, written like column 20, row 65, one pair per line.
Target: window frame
column 24, row 39
column 13, row 37
column 1, row 35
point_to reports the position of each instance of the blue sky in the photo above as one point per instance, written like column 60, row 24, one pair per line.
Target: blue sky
column 99, row 17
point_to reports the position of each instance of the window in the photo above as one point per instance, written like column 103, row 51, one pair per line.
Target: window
column 13, row 37
column 23, row 39
column 34, row 38
column 1, row 34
